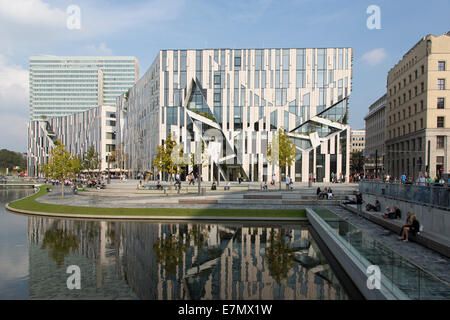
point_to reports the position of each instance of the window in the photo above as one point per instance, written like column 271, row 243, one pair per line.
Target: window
column 440, row 103
column 441, row 66
column 110, row 147
column 422, row 87
column 217, row 79
column 440, row 122
column 216, row 97
column 421, row 123
column 110, row 135
column 237, row 61
column 440, row 140
column 441, row 84
column 422, row 69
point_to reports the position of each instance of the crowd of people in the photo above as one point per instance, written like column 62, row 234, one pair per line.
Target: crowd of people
column 326, row 193
column 411, row 226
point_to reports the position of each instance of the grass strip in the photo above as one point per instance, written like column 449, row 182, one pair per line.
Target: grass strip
column 30, row 204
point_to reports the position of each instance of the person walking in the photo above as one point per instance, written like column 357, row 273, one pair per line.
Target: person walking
column 359, row 202
column 288, row 182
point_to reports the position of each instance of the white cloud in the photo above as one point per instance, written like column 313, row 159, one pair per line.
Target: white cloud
column 31, row 12
column 13, row 87
column 13, row 105
column 374, row 56
column 100, row 50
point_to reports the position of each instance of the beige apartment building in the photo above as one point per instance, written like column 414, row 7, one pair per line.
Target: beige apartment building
column 358, row 139
column 375, row 137
column 418, row 110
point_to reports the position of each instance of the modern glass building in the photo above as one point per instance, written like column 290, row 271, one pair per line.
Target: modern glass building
column 77, row 132
column 64, row 85
column 234, row 100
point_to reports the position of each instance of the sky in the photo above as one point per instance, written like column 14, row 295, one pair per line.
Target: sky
column 141, row 28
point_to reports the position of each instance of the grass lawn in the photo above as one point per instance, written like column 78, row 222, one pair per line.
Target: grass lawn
column 31, row 204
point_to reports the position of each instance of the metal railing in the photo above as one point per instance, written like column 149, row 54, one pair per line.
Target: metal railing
column 414, row 281
column 433, row 195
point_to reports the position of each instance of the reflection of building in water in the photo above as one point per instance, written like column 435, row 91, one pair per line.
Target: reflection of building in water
column 56, row 244
column 177, row 261
column 234, row 266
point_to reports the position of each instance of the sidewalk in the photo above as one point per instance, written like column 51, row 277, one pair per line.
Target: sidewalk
column 428, row 259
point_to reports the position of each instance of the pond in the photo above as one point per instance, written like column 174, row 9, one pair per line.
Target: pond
column 159, row 260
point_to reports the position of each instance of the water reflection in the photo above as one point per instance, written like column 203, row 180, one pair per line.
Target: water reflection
column 136, row 260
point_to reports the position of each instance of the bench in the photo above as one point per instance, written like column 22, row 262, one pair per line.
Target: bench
column 395, row 225
column 263, row 196
column 198, row 201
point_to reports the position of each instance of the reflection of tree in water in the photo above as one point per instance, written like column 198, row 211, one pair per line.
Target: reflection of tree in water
column 60, row 243
column 279, row 256
column 199, row 235
column 169, row 253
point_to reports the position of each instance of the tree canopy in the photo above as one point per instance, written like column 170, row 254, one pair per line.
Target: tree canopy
column 61, row 165
column 281, row 152
column 356, row 162
column 10, row 159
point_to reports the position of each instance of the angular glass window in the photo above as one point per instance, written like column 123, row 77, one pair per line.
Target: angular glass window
column 441, row 66
column 440, row 122
column 441, row 84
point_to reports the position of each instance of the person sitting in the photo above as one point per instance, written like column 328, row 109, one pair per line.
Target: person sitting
column 291, row 185
column 264, row 187
column 213, row 186
column 389, row 213
column 408, row 222
column 158, row 185
column 227, row 187
column 397, row 213
column 414, row 227
column 318, row 191
column 323, row 193
column 374, row 207
column 330, row 194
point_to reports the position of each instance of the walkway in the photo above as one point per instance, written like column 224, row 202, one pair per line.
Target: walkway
column 428, row 259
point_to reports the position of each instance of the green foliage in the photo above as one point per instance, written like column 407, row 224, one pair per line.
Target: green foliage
column 60, row 243
column 169, row 253
column 61, row 165
column 279, row 256
column 286, row 150
column 91, row 159
column 356, row 161
column 163, row 160
column 10, row 159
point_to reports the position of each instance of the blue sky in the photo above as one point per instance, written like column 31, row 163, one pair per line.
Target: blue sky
column 141, row 28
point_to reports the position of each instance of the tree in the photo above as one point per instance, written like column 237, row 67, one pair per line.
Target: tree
column 170, row 252
column 91, row 160
column 10, row 159
column 61, row 165
column 281, row 152
column 356, row 161
column 279, row 256
column 163, row 160
column 60, row 243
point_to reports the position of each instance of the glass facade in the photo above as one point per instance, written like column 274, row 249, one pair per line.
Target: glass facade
column 249, row 94
column 65, row 85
